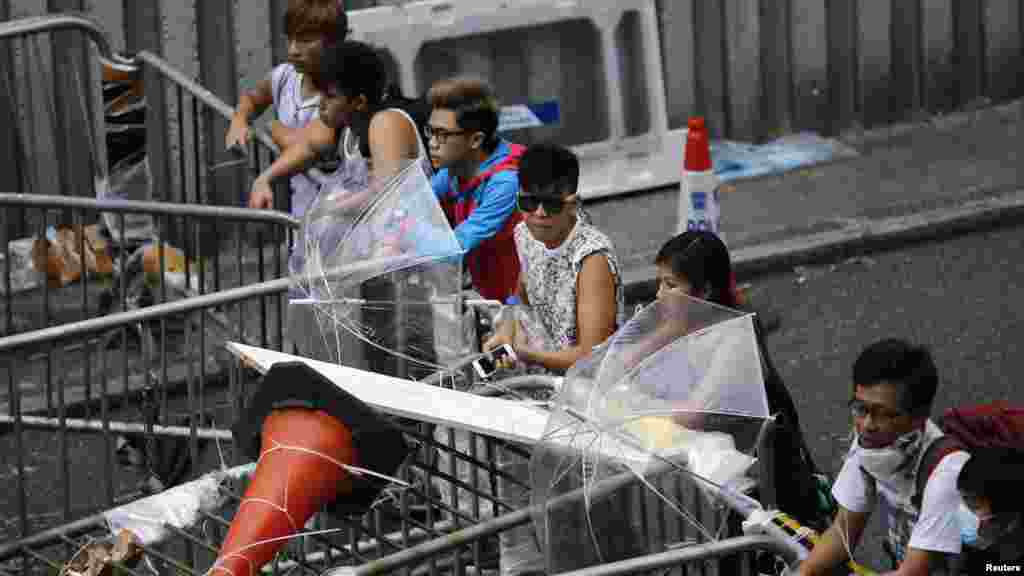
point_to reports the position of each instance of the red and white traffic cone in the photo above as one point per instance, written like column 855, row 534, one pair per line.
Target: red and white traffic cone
column 302, row 467
column 309, row 435
column 699, row 204
column 698, row 188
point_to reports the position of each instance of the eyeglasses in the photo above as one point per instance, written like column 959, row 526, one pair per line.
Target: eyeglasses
column 861, row 410
column 442, row 134
column 530, row 202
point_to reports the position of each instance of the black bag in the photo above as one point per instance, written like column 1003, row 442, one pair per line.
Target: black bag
column 795, row 473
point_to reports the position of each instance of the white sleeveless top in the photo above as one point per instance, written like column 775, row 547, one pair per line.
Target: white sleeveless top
column 353, row 170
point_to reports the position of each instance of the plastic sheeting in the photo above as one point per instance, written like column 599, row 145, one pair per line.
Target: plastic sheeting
column 737, row 160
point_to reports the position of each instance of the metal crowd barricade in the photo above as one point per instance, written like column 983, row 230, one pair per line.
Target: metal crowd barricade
column 60, row 144
column 187, row 135
column 56, row 483
column 446, row 522
column 133, row 355
column 50, row 102
column 114, row 278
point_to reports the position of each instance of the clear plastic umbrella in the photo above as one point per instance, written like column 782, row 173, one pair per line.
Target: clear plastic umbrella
column 677, row 392
column 381, row 267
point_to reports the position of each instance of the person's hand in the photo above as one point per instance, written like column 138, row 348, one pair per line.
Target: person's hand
column 262, row 196
column 508, row 333
column 520, row 345
column 238, row 134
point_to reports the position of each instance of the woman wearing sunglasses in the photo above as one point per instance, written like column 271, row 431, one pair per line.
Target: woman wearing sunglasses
column 569, row 274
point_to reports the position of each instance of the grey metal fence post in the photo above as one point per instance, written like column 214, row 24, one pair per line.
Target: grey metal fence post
column 218, row 73
column 71, row 99
column 11, row 145
column 144, row 31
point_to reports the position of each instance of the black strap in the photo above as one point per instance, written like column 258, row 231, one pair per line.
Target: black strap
column 933, row 454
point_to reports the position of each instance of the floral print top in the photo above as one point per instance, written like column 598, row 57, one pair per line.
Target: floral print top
column 550, row 276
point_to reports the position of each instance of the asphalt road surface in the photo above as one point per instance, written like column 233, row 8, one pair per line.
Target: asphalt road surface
column 957, row 297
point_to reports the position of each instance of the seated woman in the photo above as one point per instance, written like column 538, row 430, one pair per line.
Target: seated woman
column 994, row 532
column 697, row 264
column 569, row 272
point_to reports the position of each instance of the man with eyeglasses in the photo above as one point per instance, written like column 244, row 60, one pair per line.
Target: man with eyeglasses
column 894, row 384
column 476, row 181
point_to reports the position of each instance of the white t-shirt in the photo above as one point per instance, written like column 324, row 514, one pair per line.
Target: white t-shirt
column 935, row 528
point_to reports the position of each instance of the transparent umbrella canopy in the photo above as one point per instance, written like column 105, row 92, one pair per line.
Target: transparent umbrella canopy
column 382, row 269
column 675, row 393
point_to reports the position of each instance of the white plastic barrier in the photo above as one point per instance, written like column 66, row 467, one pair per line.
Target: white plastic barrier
column 599, row 59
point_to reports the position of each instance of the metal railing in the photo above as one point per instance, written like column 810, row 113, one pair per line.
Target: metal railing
column 50, row 105
column 73, row 267
column 82, row 380
column 70, row 21
column 60, row 133
column 188, row 146
column 446, row 522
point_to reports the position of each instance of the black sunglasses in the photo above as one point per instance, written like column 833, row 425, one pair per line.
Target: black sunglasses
column 530, row 202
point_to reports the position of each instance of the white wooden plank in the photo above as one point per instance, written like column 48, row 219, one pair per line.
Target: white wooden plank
column 507, row 419
column 495, row 417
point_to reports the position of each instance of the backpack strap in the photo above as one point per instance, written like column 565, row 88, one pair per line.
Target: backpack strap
column 510, row 162
column 933, row 454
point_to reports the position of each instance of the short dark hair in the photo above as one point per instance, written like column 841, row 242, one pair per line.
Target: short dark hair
column 907, row 367
column 325, row 18
column 474, row 104
column 355, row 69
column 996, row 474
column 548, row 168
column 702, row 258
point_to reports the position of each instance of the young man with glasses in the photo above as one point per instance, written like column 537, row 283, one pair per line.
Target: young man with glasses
column 894, row 384
column 476, row 181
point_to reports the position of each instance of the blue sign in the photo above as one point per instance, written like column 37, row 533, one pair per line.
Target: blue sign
column 520, row 116
column 700, row 200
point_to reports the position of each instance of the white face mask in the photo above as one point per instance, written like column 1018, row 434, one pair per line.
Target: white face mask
column 889, row 461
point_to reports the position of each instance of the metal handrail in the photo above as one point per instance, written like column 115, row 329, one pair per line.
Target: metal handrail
column 681, row 556
column 130, row 318
column 71, row 21
column 213, row 102
column 202, row 94
column 141, row 207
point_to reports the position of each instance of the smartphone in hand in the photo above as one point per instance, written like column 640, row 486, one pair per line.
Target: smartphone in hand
column 486, row 366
